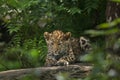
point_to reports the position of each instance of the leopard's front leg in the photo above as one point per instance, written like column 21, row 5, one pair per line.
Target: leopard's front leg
column 66, row 60
column 50, row 61
column 62, row 63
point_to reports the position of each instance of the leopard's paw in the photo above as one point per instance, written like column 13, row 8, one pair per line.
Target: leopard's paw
column 62, row 63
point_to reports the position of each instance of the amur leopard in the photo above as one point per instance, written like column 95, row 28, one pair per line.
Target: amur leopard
column 64, row 49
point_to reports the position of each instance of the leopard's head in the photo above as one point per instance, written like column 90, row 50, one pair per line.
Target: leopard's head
column 85, row 44
column 57, row 42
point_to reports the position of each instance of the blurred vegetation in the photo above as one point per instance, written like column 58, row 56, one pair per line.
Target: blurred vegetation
column 105, row 58
column 25, row 21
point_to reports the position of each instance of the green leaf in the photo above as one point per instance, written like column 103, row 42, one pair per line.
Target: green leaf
column 111, row 31
column 116, row 1
column 34, row 53
column 74, row 10
column 95, row 32
column 13, row 29
column 14, row 3
column 22, row 4
column 87, row 57
column 109, row 25
column 101, row 32
column 61, row 7
column 1, row 2
column 106, row 25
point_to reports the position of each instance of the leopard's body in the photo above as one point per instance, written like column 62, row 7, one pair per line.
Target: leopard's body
column 63, row 49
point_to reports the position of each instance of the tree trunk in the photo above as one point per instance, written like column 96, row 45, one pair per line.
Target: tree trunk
column 112, row 13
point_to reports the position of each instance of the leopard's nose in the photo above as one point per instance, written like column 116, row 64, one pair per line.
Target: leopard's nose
column 55, row 48
column 56, row 52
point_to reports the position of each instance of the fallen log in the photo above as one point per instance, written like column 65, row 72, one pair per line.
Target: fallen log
column 47, row 73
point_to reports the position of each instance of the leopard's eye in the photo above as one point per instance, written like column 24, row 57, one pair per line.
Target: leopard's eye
column 51, row 43
column 59, row 43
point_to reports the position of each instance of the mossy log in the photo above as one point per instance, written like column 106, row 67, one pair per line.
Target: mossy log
column 47, row 73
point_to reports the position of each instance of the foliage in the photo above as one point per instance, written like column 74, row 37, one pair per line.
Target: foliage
column 106, row 58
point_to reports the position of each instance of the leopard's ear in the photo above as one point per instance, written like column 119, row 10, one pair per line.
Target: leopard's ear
column 85, row 44
column 83, row 41
column 67, row 35
column 46, row 35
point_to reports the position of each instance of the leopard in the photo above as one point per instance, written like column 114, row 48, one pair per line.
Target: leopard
column 64, row 49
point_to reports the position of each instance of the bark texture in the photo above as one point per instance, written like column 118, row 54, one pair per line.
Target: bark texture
column 47, row 73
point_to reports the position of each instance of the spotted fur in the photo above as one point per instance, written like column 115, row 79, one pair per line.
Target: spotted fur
column 63, row 49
